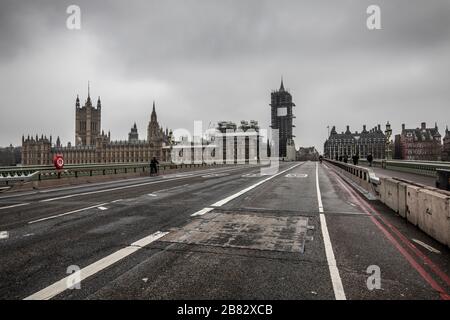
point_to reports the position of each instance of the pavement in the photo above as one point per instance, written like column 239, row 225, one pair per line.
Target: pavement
column 425, row 180
column 222, row 233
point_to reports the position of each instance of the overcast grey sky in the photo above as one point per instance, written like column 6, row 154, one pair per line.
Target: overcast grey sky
column 216, row 60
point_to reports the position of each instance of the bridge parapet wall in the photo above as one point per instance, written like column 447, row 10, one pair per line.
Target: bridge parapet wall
column 426, row 207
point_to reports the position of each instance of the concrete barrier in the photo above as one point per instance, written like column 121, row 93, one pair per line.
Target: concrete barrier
column 402, row 194
column 389, row 193
column 426, row 207
column 433, row 216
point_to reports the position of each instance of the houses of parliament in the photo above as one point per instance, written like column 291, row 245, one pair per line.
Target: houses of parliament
column 93, row 145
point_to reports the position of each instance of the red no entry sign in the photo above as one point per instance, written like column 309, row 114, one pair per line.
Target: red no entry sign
column 58, row 161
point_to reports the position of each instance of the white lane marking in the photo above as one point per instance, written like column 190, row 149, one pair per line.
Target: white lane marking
column 202, row 212
column 4, row 235
column 216, row 175
column 102, row 208
column 124, row 187
column 426, row 246
column 15, row 205
column 116, row 200
column 63, row 284
column 234, row 196
column 296, row 175
column 326, row 166
column 338, row 288
column 67, row 213
column 106, row 183
column 152, row 195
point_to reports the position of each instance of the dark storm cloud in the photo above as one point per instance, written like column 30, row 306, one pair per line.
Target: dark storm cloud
column 213, row 60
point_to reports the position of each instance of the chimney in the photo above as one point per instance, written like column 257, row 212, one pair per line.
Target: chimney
column 379, row 127
column 423, row 125
column 364, row 128
column 403, row 127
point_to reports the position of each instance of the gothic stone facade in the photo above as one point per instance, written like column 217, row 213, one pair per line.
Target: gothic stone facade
column 418, row 144
column 281, row 119
column 93, row 146
column 347, row 143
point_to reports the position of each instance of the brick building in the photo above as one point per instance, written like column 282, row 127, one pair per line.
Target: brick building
column 418, row 144
column 446, row 146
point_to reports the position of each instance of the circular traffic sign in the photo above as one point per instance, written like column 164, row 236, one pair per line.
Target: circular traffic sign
column 58, row 161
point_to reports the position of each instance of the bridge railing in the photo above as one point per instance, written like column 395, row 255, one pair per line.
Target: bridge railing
column 13, row 175
column 425, row 168
column 365, row 177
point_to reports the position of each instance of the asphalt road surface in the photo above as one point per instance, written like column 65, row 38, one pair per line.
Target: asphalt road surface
column 223, row 233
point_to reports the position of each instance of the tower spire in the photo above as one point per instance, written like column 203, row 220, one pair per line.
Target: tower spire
column 282, row 85
column 89, row 90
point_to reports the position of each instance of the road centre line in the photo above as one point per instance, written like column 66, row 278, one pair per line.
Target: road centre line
column 336, row 281
column 228, row 199
column 67, row 213
column 123, row 187
column 98, row 205
column 15, row 205
column 71, row 280
column 101, row 184
column 202, row 212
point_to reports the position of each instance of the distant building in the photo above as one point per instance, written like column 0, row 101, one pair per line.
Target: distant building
column 281, row 119
column 133, row 136
column 307, row 154
column 363, row 143
column 226, row 144
column 92, row 145
column 446, row 146
column 418, row 144
column 10, row 156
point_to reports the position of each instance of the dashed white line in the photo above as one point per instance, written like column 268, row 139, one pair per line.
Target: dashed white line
column 67, row 213
column 202, row 212
column 426, row 246
column 102, row 208
column 338, row 288
column 234, row 196
column 63, row 284
column 4, row 235
column 15, row 205
column 130, row 186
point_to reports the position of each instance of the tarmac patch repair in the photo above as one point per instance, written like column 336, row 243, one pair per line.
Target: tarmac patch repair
column 246, row 230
